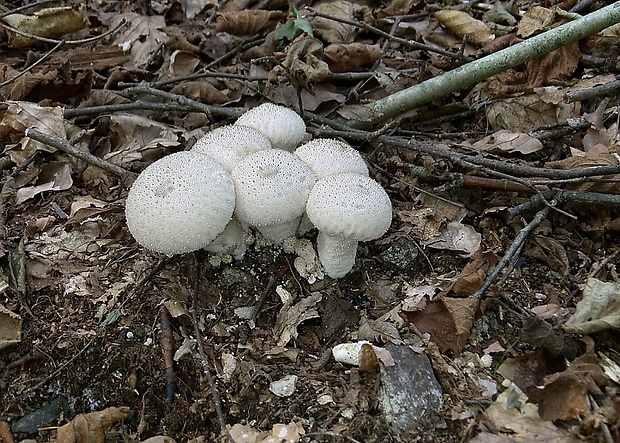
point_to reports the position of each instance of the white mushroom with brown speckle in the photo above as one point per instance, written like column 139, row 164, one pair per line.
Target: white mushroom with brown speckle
column 180, row 203
column 271, row 188
column 282, row 126
column 227, row 145
column 346, row 208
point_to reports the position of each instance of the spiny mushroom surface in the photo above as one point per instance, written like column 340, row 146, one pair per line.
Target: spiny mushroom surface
column 272, row 187
column 328, row 156
column 281, row 125
column 227, row 145
column 346, row 208
column 180, row 203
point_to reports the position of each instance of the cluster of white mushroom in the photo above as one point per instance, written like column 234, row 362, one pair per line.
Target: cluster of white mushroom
column 250, row 175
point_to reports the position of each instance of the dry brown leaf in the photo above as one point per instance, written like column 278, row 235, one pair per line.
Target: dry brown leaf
column 202, row 91
column 556, row 65
column 54, row 176
column 303, row 63
column 549, row 251
column 331, row 31
column 462, row 24
column 508, row 142
column 291, row 316
column 539, row 333
column 472, row 276
column 521, row 114
column 368, row 359
column 604, row 44
column 529, row 370
column 510, row 419
column 92, row 427
column 49, row 23
column 447, row 320
column 598, row 310
column 248, row 22
column 535, row 20
column 564, row 395
column 142, row 33
column 348, row 57
column 591, row 160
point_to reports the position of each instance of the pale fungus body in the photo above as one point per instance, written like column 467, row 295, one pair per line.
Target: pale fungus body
column 227, row 145
column 346, row 208
column 327, row 156
column 281, row 125
column 272, row 187
column 180, row 203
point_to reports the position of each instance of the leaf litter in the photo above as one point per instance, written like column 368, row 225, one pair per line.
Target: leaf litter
column 532, row 357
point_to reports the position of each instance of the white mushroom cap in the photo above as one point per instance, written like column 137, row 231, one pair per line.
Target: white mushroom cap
column 180, row 203
column 272, row 187
column 229, row 144
column 281, row 125
column 346, row 208
column 328, row 156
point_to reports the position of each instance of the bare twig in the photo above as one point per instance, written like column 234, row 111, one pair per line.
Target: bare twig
column 67, row 147
column 607, row 90
column 121, row 107
column 28, row 6
column 35, row 64
column 135, row 91
column 167, row 347
column 512, row 252
column 205, row 360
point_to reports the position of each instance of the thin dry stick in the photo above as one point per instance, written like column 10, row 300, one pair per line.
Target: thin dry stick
column 28, row 6
column 196, row 105
column 167, row 347
column 65, row 146
column 121, row 107
column 205, row 360
column 513, row 251
column 35, row 64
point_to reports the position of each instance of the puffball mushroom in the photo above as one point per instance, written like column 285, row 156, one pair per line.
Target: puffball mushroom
column 227, row 145
column 346, row 208
column 328, row 156
column 180, row 203
column 281, row 125
column 272, row 187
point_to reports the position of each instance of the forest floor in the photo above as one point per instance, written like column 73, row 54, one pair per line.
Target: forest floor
column 492, row 301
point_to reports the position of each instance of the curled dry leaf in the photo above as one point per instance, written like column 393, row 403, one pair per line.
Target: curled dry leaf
column 92, row 427
column 508, row 142
column 599, row 309
column 331, row 31
column 348, row 57
column 49, row 23
column 303, row 62
column 248, row 22
column 462, row 24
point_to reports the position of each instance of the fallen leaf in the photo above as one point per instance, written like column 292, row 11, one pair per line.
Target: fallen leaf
column 248, row 22
column 92, row 427
column 48, row 23
column 508, row 142
column 291, row 316
column 331, row 31
column 350, row 56
column 511, row 419
column 54, row 176
column 598, row 310
column 521, row 114
column 462, row 24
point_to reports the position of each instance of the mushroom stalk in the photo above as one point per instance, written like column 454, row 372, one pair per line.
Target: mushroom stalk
column 336, row 253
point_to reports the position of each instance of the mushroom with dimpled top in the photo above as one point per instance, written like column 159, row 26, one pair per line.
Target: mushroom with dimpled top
column 282, row 126
column 328, row 156
column 227, row 145
column 346, row 208
column 272, row 187
column 180, row 203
